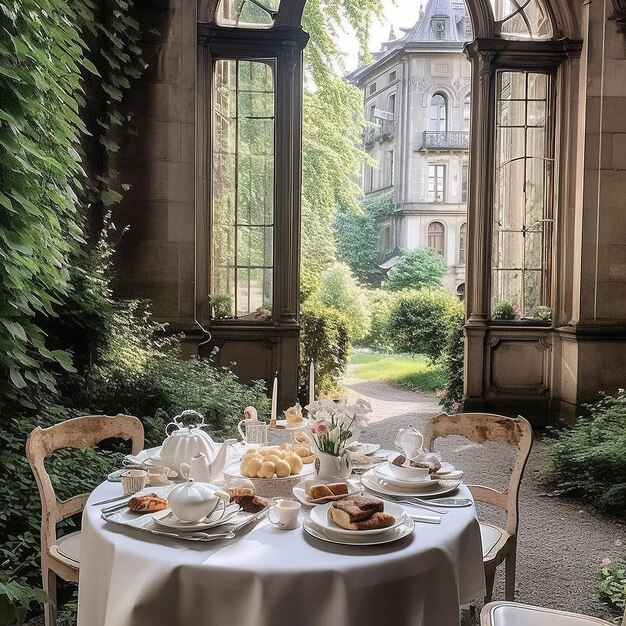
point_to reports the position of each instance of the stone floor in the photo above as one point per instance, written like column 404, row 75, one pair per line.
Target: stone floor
column 560, row 542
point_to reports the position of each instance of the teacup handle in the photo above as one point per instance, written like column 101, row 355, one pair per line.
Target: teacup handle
column 278, row 522
column 185, row 468
column 240, row 429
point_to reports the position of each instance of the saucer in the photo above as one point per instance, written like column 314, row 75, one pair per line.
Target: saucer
column 363, row 448
column 399, row 532
column 169, row 520
column 384, row 473
column 300, row 493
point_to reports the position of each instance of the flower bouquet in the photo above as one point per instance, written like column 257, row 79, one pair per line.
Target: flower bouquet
column 334, row 424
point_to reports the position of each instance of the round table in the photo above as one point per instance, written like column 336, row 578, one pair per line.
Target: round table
column 271, row 577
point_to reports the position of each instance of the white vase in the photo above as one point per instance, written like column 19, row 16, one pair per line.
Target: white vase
column 328, row 466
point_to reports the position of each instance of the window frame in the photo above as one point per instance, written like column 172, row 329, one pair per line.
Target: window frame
column 437, row 119
column 433, row 199
column 439, row 234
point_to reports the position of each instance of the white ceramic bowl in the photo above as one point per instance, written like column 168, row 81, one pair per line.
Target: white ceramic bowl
column 409, row 473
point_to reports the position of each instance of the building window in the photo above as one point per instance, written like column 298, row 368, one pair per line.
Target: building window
column 385, row 239
column 392, row 76
column 369, row 178
column 464, row 170
column 436, row 183
column 435, row 237
column 467, row 110
column 462, row 242
column 438, row 114
column 391, row 103
column 247, row 13
column 242, row 189
column 371, row 115
column 522, row 20
column 522, row 220
column 371, row 89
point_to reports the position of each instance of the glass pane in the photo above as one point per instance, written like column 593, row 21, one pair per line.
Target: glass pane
column 248, row 13
column 243, row 186
column 522, row 19
column 522, row 212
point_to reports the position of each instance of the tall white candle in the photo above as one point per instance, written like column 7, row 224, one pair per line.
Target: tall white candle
column 274, row 399
column 311, row 383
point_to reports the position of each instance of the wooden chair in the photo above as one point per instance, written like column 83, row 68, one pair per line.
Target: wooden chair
column 499, row 544
column 60, row 556
column 516, row 614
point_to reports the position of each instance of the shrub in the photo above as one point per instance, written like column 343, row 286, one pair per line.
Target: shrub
column 503, row 311
column 339, row 290
column 588, row 461
column 453, row 362
column 420, row 321
column 417, row 269
column 611, row 586
column 380, row 305
column 323, row 340
column 16, row 599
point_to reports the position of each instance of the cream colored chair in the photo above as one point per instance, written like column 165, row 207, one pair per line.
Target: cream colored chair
column 515, row 614
column 499, row 544
column 60, row 556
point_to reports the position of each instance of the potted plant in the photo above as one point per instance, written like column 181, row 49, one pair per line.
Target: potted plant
column 503, row 311
column 221, row 306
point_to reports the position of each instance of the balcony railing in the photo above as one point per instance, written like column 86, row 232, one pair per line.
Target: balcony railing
column 383, row 131
column 445, row 140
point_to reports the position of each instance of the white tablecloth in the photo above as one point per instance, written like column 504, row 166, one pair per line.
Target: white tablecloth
column 272, row 577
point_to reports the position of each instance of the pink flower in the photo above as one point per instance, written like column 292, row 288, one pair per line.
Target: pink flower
column 456, row 406
column 606, row 562
column 320, row 428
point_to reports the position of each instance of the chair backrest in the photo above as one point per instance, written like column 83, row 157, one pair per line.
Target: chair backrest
column 482, row 427
column 81, row 433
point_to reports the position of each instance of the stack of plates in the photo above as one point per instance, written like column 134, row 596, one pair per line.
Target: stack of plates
column 320, row 526
column 381, row 480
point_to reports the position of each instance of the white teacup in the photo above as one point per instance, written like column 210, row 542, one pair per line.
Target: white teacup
column 286, row 514
column 415, row 474
column 158, row 476
column 133, row 480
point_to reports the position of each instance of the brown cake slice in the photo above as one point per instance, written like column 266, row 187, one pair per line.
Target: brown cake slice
column 376, row 521
column 357, row 508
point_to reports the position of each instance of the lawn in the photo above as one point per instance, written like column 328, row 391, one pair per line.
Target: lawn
column 408, row 370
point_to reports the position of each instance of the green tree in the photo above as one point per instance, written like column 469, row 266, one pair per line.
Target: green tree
column 420, row 321
column 417, row 269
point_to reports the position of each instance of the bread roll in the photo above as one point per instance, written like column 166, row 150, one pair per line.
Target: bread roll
column 253, row 467
column 295, row 463
column 283, row 469
column 267, row 470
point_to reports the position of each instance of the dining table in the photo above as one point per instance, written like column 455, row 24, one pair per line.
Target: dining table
column 267, row 576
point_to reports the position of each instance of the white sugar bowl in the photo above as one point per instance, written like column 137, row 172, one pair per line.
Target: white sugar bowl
column 192, row 501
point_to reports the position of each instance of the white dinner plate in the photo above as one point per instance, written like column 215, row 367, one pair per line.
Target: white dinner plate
column 321, row 516
column 169, row 520
column 393, row 534
column 363, row 448
column 300, row 493
column 372, row 483
column 384, row 473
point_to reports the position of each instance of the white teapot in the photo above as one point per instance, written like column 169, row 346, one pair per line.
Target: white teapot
column 185, row 442
column 410, row 441
column 192, row 501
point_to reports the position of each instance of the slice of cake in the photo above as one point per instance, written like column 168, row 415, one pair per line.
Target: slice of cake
column 361, row 513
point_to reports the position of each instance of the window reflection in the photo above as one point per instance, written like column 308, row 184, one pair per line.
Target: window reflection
column 522, row 19
column 248, row 13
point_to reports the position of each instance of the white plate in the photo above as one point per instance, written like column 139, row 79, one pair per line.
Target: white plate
column 364, row 448
column 300, row 493
column 393, row 534
column 446, row 468
column 384, row 473
column 169, row 520
column 320, row 515
column 372, row 483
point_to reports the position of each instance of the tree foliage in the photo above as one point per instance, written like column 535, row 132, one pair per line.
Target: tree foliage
column 420, row 321
column 417, row 269
column 357, row 235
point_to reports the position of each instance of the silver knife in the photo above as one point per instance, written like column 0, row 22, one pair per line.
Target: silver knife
column 427, row 519
column 110, row 500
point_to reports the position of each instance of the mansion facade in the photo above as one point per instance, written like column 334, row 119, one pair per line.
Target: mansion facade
column 417, row 100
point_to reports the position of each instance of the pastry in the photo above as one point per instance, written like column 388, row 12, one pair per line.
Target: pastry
column 361, row 513
column 376, row 521
column 250, row 503
column 295, row 463
column 149, row 503
column 267, row 462
column 326, row 491
column 235, row 492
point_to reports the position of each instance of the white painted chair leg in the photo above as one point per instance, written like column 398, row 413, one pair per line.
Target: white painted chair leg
column 50, row 587
column 509, row 574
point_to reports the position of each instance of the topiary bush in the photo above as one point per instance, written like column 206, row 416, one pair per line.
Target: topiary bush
column 416, row 269
column 420, row 321
column 323, row 340
column 453, row 363
column 588, row 461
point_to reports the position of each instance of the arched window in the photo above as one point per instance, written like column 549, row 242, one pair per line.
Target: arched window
column 462, row 242
column 247, row 13
column 438, row 118
column 435, row 237
column 526, row 19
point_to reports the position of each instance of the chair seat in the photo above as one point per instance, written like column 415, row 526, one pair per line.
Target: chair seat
column 493, row 539
column 514, row 614
column 67, row 549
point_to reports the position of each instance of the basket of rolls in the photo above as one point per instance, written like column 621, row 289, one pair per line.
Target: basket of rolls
column 274, row 471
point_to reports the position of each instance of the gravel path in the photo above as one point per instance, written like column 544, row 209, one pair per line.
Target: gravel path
column 560, row 543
